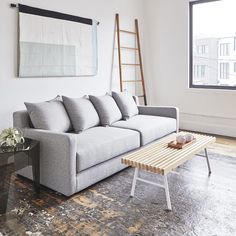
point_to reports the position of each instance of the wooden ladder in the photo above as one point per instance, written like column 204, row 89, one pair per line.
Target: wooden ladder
column 136, row 50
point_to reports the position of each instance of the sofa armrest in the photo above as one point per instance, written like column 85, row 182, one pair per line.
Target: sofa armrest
column 21, row 119
column 172, row 112
column 57, row 159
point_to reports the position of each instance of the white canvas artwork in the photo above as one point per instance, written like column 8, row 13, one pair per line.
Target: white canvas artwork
column 53, row 44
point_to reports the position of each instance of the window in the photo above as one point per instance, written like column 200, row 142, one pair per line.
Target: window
column 224, row 49
column 212, row 44
column 202, row 49
column 203, row 71
column 224, row 70
column 199, row 71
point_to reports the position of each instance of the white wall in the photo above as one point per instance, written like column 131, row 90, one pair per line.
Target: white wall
column 14, row 91
column 166, row 67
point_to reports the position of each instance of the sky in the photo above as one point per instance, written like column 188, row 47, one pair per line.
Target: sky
column 214, row 19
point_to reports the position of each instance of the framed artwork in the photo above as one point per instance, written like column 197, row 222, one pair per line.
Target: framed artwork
column 53, row 44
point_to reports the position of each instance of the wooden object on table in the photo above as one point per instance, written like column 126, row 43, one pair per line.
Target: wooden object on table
column 174, row 144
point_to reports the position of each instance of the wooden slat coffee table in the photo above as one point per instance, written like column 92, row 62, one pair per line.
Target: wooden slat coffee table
column 161, row 159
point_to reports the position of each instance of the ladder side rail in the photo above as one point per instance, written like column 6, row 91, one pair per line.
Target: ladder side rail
column 140, row 61
column 119, row 50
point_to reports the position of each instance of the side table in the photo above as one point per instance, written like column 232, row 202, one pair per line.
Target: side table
column 27, row 154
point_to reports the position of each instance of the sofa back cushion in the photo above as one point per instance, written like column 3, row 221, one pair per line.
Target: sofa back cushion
column 81, row 112
column 107, row 109
column 126, row 103
column 49, row 115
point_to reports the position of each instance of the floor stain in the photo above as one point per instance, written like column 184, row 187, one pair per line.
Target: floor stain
column 109, row 214
column 135, row 228
column 84, row 201
column 101, row 195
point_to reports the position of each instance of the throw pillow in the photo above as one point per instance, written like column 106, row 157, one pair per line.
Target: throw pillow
column 107, row 109
column 49, row 115
column 81, row 112
column 126, row 103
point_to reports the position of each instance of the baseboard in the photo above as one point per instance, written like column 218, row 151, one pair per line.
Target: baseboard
column 208, row 124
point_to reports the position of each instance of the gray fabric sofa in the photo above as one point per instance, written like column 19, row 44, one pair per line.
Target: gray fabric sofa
column 71, row 162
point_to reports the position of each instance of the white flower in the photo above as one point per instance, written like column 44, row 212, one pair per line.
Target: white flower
column 11, row 137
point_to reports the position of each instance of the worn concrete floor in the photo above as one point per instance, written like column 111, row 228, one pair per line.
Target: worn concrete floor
column 202, row 205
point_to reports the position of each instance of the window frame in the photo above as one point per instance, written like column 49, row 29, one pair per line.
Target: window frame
column 191, row 69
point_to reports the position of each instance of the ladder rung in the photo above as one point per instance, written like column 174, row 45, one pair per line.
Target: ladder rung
column 140, row 96
column 127, row 32
column 128, row 64
column 131, row 81
column 128, row 48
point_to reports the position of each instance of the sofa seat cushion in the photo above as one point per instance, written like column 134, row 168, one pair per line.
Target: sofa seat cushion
column 149, row 127
column 100, row 144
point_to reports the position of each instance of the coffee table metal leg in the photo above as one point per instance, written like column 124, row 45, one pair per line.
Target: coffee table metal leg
column 134, row 182
column 167, row 193
column 208, row 162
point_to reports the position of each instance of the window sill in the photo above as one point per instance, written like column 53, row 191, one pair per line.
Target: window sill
column 211, row 91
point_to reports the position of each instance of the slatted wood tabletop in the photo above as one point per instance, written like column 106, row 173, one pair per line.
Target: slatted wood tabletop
column 159, row 158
